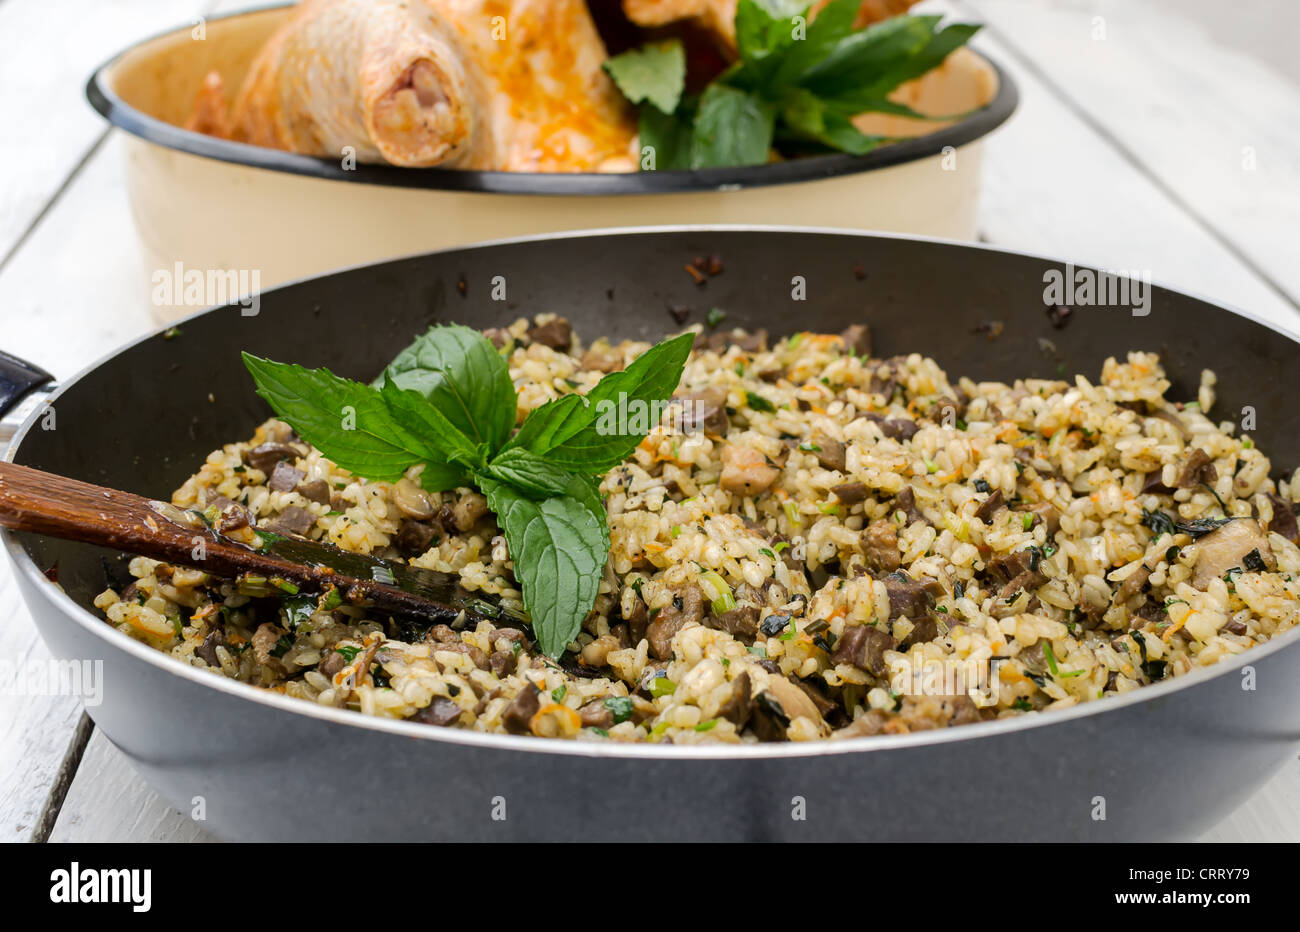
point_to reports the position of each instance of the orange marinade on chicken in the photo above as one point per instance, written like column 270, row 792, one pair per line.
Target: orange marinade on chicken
column 515, row 85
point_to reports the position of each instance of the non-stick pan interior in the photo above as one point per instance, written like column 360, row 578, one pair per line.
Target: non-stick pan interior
column 146, row 419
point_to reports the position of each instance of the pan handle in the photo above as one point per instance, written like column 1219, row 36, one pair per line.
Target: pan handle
column 23, row 386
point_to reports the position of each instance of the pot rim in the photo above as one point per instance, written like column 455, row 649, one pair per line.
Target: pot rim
column 59, row 600
column 105, row 100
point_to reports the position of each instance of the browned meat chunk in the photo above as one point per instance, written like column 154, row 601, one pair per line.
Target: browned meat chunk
column 264, row 456
column 1154, row 484
column 1196, row 470
column 905, row 501
column 740, row 622
column 830, row 453
column 502, row 662
column 413, row 537
column 910, row 598
column 1284, row 521
column 519, row 714
column 926, row 629
column 264, row 640
column 596, row 714
column 461, row 517
column 602, row 358
column 687, row 606
column 896, row 428
column 637, row 620
column 857, row 340
column 293, row 520
column 441, row 711
column 745, row 471
column 208, row 649
column 284, row 478
column 318, row 490
column 989, row 507
column 850, row 493
column 233, row 517
column 737, row 707
column 1132, row 584
column 555, row 333
column 705, row 410
column 880, row 546
column 331, row 664
column 864, row 647
column 497, row 336
column 1019, row 570
column 1239, row 543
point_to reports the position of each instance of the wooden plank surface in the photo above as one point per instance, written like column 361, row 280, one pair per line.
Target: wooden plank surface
column 50, row 49
column 1053, row 184
column 1214, row 129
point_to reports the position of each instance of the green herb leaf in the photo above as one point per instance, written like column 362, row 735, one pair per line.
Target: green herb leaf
column 732, row 127
column 559, row 546
column 758, row 403
column 529, row 473
column 581, row 432
column 655, row 72
column 348, row 422
column 668, row 136
column 621, row 707
column 460, row 372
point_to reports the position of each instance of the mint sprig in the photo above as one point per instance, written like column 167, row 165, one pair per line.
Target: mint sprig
column 447, row 402
column 793, row 85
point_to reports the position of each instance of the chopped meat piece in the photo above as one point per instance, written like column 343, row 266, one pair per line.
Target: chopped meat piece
column 880, row 546
column 331, row 664
column 705, row 410
column 895, row 428
column 687, row 606
column 736, row 708
column 857, row 339
column 293, row 520
column 441, row 711
column 794, row 701
column 284, row 478
column 746, row 470
column 1132, row 584
column 233, row 517
column 908, row 597
column 602, row 358
column 556, row 333
column 1154, row 484
column 1227, row 547
column 637, row 620
column 502, row 662
column 264, row 640
column 413, row 537
column 830, row 453
column 850, row 493
column 755, row 342
column 864, row 647
column 497, row 336
column 264, row 456
column 989, row 507
column 905, row 501
column 1284, row 520
column 1196, row 470
column 208, row 649
column 596, row 714
column 318, row 490
column 1235, row 627
column 519, row 714
column 926, row 629
column 740, row 622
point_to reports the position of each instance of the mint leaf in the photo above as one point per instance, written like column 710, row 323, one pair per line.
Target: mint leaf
column 668, row 135
column 569, row 431
column 348, row 422
column 732, row 127
column 559, row 547
column 460, row 373
column 763, row 27
column 655, row 72
column 529, row 473
column 427, row 421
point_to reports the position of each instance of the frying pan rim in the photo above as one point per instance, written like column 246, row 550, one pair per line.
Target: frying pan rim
column 59, row 600
column 109, row 105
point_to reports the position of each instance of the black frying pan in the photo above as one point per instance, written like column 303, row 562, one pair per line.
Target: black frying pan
column 1167, row 761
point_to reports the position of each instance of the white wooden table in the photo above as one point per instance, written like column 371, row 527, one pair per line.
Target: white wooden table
column 1141, row 142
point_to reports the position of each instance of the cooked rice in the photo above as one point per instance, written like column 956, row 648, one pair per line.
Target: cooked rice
column 1071, row 631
